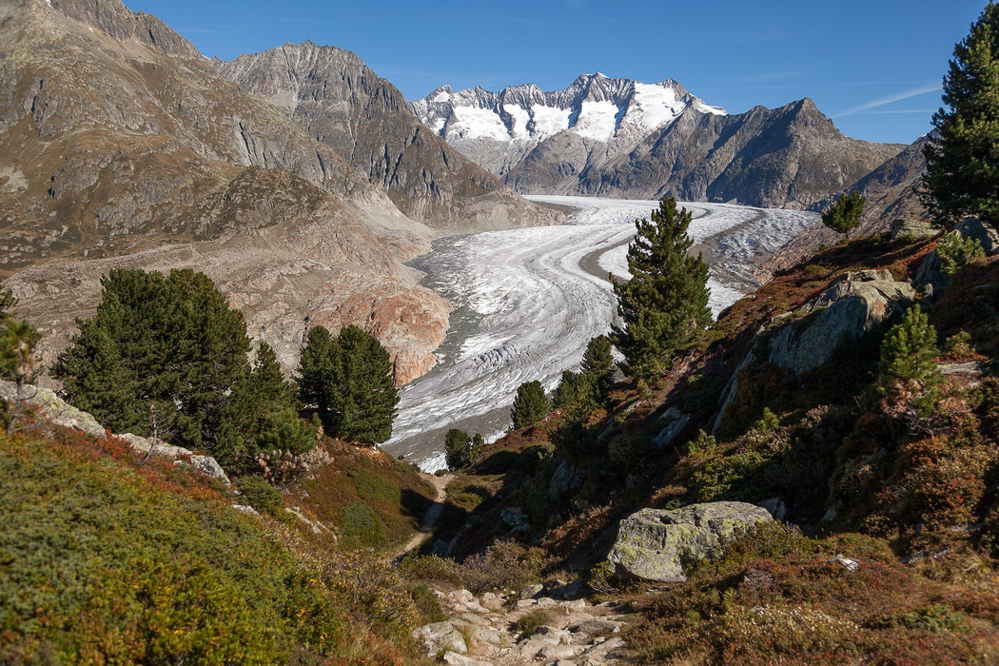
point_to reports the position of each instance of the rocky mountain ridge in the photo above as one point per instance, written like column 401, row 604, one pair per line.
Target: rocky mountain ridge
column 891, row 191
column 333, row 96
column 622, row 138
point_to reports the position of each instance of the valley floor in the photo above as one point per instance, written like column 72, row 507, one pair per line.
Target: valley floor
column 529, row 300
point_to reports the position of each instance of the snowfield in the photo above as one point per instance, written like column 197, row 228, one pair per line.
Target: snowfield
column 529, row 300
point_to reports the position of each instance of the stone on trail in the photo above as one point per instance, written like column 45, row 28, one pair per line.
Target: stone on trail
column 440, row 636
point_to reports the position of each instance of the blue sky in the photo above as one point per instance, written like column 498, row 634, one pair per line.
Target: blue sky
column 873, row 66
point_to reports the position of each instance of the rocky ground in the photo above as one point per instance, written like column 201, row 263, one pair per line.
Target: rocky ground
column 526, row 628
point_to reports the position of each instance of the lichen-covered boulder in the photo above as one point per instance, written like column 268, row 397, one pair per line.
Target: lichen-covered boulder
column 850, row 307
column 57, row 410
column 912, row 230
column 658, row 545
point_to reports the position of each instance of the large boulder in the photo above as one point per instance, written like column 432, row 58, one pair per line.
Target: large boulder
column 930, row 274
column 985, row 234
column 912, row 230
column 57, row 411
column 659, row 545
column 853, row 305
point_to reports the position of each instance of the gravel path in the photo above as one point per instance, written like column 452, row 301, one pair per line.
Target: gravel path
column 432, row 515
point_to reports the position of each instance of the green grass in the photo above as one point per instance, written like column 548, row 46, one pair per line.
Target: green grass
column 104, row 561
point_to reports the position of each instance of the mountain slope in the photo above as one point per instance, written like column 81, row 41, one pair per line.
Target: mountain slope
column 337, row 99
column 623, row 138
column 891, row 194
column 119, row 142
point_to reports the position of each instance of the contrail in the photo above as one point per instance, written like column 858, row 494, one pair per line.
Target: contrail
column 915, row 92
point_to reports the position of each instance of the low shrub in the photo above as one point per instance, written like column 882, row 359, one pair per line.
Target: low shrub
column 529, row 624
column 359, row 527
column 429, row 568
column 262, row 496
column 104, row 561
column 505, row 565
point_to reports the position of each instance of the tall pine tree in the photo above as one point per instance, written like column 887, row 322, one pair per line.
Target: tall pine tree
column 349, row 380
column 598, row 366
column 665, row 303
column 962, row 159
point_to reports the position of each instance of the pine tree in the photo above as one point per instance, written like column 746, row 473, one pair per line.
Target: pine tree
column 364, row 405
column 171, row 345
column 844, row 215
column 349, row 380
column 261, row 416
column 598, row 366
column 909, row 348
column 907, row 356
column 530, row 405
column 665, row 303
column 962, row 160
column 458, row 449
column 574, row 390
column 316, row 369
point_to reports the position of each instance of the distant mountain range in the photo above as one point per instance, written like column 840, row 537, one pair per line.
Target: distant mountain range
column 623, row 138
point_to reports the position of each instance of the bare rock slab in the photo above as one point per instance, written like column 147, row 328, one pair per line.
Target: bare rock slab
column 658, row 545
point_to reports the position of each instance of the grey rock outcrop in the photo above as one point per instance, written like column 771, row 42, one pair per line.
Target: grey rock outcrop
column 674, row 422
column 59, row 412
column 849, row 308
column 985, row 234
column 912, row 230
column 567, row 477
column 440, row 636
column 659, row 545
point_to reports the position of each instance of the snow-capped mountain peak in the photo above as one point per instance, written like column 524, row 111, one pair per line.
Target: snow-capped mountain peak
column 594, row 108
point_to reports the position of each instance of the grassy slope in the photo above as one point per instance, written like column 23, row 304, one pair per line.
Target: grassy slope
column 104, row 560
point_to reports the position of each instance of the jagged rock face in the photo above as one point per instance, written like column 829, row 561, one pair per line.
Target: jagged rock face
column 114, row 19
column 337, row 99
column 120, row 145
column 851, row 307
column 659, row 545
column 891, row 189
column 622, row 138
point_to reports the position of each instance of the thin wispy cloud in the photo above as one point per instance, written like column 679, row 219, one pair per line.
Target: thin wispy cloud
column 915, row 92
column 887, row 112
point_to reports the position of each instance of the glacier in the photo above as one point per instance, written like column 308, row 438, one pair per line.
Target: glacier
column 529, row 300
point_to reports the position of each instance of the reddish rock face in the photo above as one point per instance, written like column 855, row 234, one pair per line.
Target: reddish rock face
column 411, row 322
